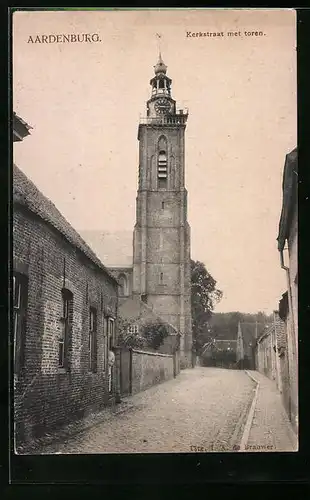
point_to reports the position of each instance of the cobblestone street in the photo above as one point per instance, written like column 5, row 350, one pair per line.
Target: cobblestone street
column 201, row 410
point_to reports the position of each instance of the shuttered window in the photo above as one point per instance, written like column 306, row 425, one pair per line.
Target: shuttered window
column 162, row 169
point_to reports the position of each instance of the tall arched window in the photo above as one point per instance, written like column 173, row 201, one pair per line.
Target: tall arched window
column 123, row 285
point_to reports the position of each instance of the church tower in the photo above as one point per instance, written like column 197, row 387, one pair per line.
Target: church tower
column 161, row 260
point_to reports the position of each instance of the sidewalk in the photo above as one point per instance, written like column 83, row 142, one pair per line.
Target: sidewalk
column 271, row 429
column 69, row 431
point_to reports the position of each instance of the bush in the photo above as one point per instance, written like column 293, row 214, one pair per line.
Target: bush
column 155, row 334
column 151, row 335
column 128, row 339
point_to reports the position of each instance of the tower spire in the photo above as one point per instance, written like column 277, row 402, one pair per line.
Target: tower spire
column 158, row 36
column 160, row 66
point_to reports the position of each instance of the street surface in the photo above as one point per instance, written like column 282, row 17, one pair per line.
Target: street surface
column 203, row 409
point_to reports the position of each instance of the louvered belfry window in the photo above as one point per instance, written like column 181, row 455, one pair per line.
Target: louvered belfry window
column 162, row 171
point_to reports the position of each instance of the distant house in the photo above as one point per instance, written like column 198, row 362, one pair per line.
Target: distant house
column 270, row 347
column 220, row 353
column 65, row 311
column 245, row 355
column 288, row 306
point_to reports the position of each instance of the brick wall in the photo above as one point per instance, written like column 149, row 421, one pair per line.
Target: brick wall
column 149, row 369
column 47, row 396
column 265, row 356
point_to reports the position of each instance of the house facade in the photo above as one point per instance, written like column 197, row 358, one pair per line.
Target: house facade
column 272, row 357
column 288, row 249
column 64, row 317
column 220, row 353
column 270, row 347
column 245, row 348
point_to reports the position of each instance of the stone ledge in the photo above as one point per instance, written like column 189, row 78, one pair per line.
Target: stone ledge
column 152, row 353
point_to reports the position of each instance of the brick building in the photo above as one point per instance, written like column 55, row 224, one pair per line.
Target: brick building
column 277, row 347
column 65, row 310
column 288, row 248
column 270, row 347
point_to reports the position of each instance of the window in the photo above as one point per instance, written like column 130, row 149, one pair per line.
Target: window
column 111, row 333
column 105, row 341
column 20, row 295
column 92, row 340
column 133, row 329
column 65, row 337
column 123, row 285
column 162, row 169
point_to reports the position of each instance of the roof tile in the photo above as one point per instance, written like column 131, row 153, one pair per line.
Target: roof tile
column 27, row 194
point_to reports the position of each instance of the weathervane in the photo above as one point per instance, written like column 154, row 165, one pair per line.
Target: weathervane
column 158, row 35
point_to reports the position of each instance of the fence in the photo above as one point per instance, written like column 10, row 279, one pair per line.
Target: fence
column 139, row 370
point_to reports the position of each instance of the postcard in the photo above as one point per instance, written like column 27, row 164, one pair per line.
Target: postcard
column 154, row 272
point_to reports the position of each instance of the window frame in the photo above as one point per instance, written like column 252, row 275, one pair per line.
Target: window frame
column 92, row 339
column 105, row 341
column 64, row 338
column 111, row 332
column 133, row 329
column 19, row 319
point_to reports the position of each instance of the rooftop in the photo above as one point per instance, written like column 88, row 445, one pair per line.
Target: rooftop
column 25, row 193
column 289, row 188
column 20, row 128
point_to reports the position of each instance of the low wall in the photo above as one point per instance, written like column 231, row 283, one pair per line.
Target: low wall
column 150, row 368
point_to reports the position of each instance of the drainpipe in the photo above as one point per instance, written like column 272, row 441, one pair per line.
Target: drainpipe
column 286, row 269
column 278, row 369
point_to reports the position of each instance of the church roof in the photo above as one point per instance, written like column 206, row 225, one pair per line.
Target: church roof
column 28, row 195
column 132, row 308
column 114, row 248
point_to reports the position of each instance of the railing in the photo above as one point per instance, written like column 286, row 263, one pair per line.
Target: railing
column 179, row 119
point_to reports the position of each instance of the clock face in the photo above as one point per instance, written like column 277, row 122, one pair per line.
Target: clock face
column 162, row 106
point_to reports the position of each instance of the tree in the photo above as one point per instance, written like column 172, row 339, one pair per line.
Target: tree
column 204, row 296
column 225, row 325
column 155, row 334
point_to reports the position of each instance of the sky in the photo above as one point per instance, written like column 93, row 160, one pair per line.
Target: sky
column 84, row 101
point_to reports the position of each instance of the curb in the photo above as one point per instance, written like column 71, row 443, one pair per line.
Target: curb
column 248, row 424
